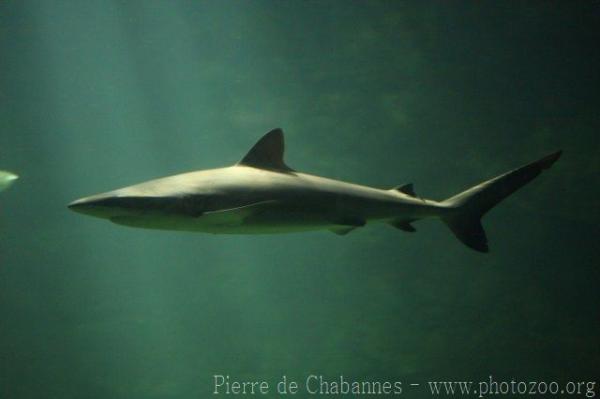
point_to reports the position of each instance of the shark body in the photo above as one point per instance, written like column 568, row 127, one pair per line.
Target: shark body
column 261, row 194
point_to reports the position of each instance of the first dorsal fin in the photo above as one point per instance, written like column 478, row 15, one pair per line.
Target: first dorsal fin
column 267, row 153
column 407, row 189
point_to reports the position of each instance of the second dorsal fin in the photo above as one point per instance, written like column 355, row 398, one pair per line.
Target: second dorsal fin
column 267, row 153
column 406, row 189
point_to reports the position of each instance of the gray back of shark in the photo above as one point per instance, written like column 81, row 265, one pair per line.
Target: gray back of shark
column 261, row 194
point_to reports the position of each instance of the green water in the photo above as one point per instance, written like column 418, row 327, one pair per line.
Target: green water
column 96, row 95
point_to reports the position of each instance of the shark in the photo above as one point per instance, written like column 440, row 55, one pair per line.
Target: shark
column 6, row 179
column 261, row 195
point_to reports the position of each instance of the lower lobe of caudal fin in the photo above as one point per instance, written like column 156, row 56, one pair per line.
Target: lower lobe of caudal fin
column 469, row 231
column 468, row 207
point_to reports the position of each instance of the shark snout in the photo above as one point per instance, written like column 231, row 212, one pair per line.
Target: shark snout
column 97, row 205
column 116, row 204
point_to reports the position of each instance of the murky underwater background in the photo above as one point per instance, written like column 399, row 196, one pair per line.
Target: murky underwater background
column 96, row 95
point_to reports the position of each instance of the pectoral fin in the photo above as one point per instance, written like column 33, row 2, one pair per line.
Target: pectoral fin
column 236, row 216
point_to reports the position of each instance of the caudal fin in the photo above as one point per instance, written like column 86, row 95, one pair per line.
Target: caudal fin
column 468, row 207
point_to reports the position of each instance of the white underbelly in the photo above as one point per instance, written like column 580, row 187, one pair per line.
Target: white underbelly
column 206, row 225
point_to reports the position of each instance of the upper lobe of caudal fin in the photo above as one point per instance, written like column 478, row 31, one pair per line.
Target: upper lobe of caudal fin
column 469, row 206
column 549, row 160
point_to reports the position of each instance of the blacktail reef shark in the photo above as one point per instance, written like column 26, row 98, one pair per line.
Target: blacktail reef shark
column 6, row 179
column 261, row 194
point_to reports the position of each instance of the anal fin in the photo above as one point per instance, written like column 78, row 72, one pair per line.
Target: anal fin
column 352, row 221
column 342, row 230
column 346, row 224
column 404, row 225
